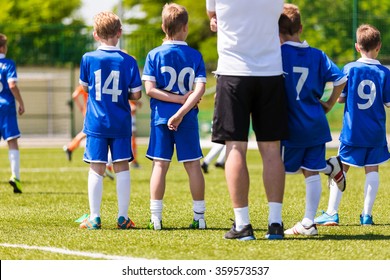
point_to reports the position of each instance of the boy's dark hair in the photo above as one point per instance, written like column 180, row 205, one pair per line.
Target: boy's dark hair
column 174, row 17
column 368, row 37
column 3, row 40
column 290, row 20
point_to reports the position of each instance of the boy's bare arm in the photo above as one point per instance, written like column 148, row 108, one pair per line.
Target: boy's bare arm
column 16, row 93
column 152, row 91
column 135, row 95
column 328, row 105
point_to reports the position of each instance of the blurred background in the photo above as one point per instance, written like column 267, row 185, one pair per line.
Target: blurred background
column 48, row 37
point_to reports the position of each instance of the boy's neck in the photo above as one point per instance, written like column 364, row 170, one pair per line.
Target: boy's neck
column 290, row 38
column 373, row 54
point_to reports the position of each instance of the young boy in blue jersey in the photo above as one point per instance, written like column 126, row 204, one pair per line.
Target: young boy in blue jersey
column 175, row 78
column 307, row 70
column 9, row 130
column 111, row 78
column 363, row 135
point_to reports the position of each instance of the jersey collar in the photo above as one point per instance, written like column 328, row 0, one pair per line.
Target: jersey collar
column 369, row 61
column 108, row 48
column 2, row 55
column 173, row 42
column 304, row 44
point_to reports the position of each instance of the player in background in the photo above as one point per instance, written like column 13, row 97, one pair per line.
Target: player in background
column 111, row 78
column 363, row 136
column 307, row 70
column 9, row 130
column 216, row 149
column 175, row 79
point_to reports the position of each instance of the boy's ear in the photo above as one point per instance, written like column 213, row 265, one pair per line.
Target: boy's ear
column 162, row 27
column 95, row 36
column 357, row 47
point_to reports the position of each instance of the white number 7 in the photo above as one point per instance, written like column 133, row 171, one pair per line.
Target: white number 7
column 302, row 79
column 114, row 90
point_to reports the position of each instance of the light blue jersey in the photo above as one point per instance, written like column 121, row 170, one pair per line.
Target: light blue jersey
column 307, row 70
column 111, row 75
column 366, row 93
column 174, row 67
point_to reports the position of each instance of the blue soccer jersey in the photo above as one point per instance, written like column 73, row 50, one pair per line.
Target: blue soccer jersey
column 111, row 75
column 366, row 93
column 7, row 74
column 306, row 71
column 174, row 67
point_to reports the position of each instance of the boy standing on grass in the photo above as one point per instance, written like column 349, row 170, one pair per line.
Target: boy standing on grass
column 363, row 135
column 9, row 130
column 175, row 78
column 307, row 70
column 111, row 78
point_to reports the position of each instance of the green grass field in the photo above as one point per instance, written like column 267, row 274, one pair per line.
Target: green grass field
column 55, row 194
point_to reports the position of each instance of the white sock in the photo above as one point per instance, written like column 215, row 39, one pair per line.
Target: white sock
column 14, row 159
column 313, row 195
column 370, row 191
column 156, row 207
column 241, row 217
column 95, row 193
column 334, row 199
column 199, row 207
column 275, row 213
column 123, row 188
column 215, row 149
column 221, row 157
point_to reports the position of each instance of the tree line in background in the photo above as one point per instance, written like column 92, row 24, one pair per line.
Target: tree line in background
column 52, row 32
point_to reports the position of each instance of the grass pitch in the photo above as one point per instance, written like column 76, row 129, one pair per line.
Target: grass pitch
column 55, row 195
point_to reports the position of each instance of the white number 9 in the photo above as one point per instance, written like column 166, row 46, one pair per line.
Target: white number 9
column 370, row 97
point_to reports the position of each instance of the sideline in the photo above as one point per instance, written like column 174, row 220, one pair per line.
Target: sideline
column 69, row 252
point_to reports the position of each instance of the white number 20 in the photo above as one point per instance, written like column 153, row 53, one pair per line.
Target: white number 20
column 370, row 97
column 113, row 79
column 179, row 78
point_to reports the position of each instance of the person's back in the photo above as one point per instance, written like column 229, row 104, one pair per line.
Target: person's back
column 7, row 72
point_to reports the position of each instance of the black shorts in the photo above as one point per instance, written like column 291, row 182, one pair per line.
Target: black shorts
column 240, row 98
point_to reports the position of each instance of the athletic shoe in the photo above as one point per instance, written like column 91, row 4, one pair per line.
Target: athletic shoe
column 125, row 223
column 302, row 230
column 245, row 234
column 205, row 167
column 68, row 153
column 155, row 225
column 199, row 224
column 135, row 165
column 91, row 224
column 109, row 172
column 15, row 183
column 275, row 231
column 337, row 173
column 327, row 220
column 366, row 220
column 219, row 165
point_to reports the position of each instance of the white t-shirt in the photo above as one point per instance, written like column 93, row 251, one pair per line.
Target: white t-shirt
column 248, row 37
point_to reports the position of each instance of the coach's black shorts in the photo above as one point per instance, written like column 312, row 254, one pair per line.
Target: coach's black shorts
column 240, row 97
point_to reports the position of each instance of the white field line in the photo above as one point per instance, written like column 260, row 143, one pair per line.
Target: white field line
column 69, row 252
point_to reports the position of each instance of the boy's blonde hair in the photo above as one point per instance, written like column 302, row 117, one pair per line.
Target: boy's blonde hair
column 368, row 37
column 290, row 20
column 107, row 25
column 174, row 17
column 3, row 40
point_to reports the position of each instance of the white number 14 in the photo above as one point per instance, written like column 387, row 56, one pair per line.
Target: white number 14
column 113, row 79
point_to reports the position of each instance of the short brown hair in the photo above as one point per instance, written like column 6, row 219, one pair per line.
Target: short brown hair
column 174, row 17
column 3, row 40
column 368, row 37
column 290, row 20
column 107, row 25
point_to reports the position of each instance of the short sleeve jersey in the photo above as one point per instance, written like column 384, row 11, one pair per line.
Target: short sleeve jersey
column 7, row 74
column 174, row 67
column 307, row 70
column 111, row 75
column 366, row 93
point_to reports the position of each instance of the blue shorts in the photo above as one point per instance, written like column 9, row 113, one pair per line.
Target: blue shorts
column 162, row 142
column 310, row 158
column 96, row 149
column 361, row 156
column 9, row 127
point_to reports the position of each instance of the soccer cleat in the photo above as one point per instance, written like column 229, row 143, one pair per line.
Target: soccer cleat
column 109, row 172
column 155, row 225
column 275, row 231
column 15, row 183
column 219, row 165
column 245, row 234
column 366, row 220
column 327, row 220
column 68, row 153
column 91, row 224
column 135, row 164
column 199, row 224
column 300, row 229
column 337, row 173
column 205, row 167
column 124, row 223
